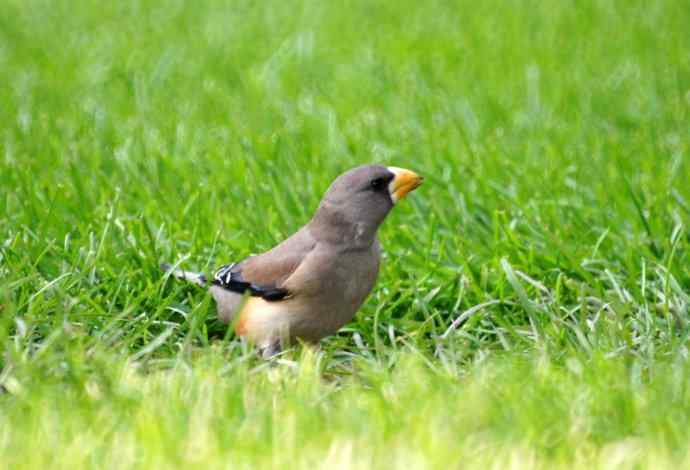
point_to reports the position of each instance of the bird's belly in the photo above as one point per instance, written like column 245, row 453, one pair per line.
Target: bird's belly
column 263, row 322
column 266, row 322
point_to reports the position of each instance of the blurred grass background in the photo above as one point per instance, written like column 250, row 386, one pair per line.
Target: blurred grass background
column 553, row 137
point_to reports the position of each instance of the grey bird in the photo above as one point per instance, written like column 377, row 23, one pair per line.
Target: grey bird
column 313, row 283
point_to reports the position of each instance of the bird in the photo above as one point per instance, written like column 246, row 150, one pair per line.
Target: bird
column 311, row 284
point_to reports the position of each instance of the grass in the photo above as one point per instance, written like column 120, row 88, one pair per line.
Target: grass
column 532, row 308
column 502, row 413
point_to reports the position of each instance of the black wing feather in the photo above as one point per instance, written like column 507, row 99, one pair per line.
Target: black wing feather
column 231, row 280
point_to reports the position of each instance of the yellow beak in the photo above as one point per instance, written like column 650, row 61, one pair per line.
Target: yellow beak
column 403, row 182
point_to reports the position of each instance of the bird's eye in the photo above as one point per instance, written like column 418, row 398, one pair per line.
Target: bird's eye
column 378, row 183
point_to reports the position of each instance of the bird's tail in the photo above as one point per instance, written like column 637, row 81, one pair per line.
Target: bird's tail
column 195, row 278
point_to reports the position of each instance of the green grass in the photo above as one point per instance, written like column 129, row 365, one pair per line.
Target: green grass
column 554, row 139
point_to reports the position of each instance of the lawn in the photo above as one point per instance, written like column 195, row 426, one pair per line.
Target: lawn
column 532, row 309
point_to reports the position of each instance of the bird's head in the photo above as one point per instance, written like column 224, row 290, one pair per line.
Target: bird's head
column 360, row 199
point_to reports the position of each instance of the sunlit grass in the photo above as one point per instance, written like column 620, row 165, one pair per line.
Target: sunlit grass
column 522, row 413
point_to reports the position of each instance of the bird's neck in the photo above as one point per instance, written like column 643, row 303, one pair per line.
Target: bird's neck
column 333, row 223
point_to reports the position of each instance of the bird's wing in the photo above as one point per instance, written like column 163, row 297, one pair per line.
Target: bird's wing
column 264, row 275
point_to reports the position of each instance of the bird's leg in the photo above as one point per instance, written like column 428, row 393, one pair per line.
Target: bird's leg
column 271, row 349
